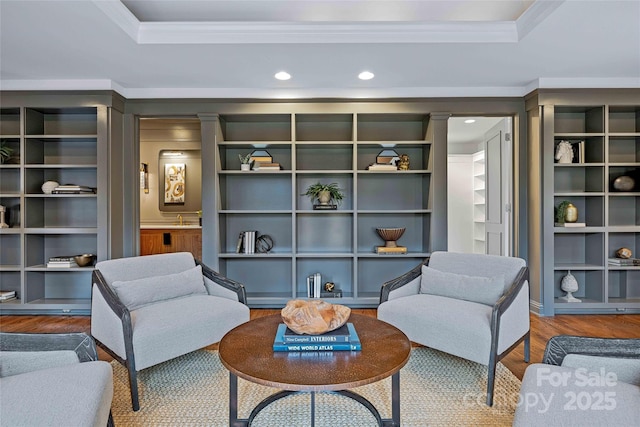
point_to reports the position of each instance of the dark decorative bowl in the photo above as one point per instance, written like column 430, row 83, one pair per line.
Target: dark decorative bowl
column 85, row 259
column 390, row 235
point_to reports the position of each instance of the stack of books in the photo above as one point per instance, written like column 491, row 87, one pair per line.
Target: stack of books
column 625, row 261
column 382, row 167
column 246, row 242
column 383, row 250
column 62, row 262
column 266, row 166
column 6, row 296
column 345, row 338
column 73, row 189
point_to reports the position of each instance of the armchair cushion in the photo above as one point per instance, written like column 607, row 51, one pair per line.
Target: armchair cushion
column 626, row 370
column 483, row 290
column 19, row 362
column 138, row 293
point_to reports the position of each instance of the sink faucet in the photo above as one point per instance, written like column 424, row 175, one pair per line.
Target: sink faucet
column 180, row 219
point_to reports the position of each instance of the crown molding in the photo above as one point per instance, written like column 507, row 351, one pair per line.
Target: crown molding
column 534, row 15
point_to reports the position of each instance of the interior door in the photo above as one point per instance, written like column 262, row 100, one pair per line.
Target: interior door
column 498, row 175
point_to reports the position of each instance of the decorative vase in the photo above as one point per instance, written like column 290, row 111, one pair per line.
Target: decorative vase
column 569, row 284
column 390, row 235
column 571, row 214
column 324, row 197
column 49, row 186
column 245, row 167
column 624, row 183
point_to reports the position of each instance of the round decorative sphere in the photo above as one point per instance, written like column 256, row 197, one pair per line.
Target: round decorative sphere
column 624, row 183
column 569, row 283
column 264, row 244
column 624, row 253
column 49, row 186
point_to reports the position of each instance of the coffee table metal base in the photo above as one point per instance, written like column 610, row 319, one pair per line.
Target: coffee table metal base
column 394, row 421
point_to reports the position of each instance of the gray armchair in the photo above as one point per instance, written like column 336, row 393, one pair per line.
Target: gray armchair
column 149, row 309
column 473, row 306
column 582, row 381
column 53, row 380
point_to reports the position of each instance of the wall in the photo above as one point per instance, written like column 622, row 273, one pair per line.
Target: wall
column 167, row 134
column 460, row 203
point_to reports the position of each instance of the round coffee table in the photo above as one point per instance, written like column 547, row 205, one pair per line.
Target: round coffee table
column 247, row 352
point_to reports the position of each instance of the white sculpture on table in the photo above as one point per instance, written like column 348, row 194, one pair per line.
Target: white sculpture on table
column 2, row 212
column 564, row 152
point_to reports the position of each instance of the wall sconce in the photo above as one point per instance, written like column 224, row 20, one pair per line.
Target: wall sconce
column 144, row 177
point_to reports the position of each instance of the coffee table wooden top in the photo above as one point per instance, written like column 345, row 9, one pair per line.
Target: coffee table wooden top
column 247, row 351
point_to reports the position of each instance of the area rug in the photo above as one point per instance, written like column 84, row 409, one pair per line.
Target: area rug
column 436, row 389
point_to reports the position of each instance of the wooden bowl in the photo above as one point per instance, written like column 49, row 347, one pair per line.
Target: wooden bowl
column 85, row 259
column 390, row 235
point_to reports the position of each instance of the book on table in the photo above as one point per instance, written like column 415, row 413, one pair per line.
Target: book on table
column 344, row 338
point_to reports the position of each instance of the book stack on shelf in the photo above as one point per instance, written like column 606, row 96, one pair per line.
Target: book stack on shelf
column 345, row 338
column 570, row 224
column 382, row 167
column 73, row 189
column 315, row 288
column 625, row 262
column 246, row 242
column 62, row 262
column 6, row 296
column 268, row 166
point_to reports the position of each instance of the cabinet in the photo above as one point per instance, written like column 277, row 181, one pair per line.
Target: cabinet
column 160, row 241
column 51, row 144
column 339, row 244
column 610, row 138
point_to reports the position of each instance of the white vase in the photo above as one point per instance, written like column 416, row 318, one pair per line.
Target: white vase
column 245, row 167
column 569, row 284
column 49, row 186
column 324, row 197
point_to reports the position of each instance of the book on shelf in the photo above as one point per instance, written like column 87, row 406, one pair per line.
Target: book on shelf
column 61, row 264
column 62, row 258
column 345, row 333
column 625, row 261
column 383, row 250
column 240, row 241
column 73, row 189
column 382, row 167
column 268, row 166
column 325, row 207
column 261, row 159
column 314, row 285
column 336, row 293
column 13, row 298
column 279, row 344
column 570, row 224
column 7, row 295
column 249, row 242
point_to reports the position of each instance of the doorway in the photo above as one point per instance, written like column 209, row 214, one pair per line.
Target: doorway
column 479, row 185
column 170, row 185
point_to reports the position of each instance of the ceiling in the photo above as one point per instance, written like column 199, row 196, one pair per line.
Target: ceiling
column 232, row 49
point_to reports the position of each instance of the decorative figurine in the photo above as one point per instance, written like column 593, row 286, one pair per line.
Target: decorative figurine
column 329, row 286
column 624, row 253
column 403, row 164
column 569, row 284
column 2, row 212
column 564, row 152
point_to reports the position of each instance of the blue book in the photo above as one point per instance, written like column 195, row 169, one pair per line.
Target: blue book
column 353, row 345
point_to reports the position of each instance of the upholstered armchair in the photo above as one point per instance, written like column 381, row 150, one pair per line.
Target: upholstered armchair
column 149, row 309
column 582, row 381
column 473, row 306
column 53, row 380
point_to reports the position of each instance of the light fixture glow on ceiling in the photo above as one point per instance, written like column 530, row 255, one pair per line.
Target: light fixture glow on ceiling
column 366, row 75
column 282, row 75
column 470, row 121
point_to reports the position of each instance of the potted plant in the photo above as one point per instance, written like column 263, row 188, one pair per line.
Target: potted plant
column 245, row 162
column 5, row 152
column 324, row 193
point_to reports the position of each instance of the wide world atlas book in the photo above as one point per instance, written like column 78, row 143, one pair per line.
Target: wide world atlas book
column 279, row 344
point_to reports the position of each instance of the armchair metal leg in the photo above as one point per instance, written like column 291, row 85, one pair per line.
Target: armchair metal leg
column 491, row 379
column 527, row 347
column 133, row 385
column 110, row 420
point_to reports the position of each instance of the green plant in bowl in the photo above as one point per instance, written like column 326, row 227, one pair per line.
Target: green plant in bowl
column 324, row 193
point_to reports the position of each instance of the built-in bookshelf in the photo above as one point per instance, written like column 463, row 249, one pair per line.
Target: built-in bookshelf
column 609, row 137
column 479, row 205
column 49, row 144
column 339, row 244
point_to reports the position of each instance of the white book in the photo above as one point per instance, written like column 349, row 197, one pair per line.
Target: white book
column 61, row 264
column 571, row 224
column 316, row 287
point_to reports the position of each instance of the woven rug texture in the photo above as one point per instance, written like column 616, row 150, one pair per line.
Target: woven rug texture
column 436, row 389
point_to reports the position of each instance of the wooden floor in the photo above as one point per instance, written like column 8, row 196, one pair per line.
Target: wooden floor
column 542, row 328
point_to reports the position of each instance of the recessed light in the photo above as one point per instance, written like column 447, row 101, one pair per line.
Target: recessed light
column 282, row 75
column 470, row 121
column 366, row 75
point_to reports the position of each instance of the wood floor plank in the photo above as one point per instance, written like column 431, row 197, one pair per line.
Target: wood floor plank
column 542, row 328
